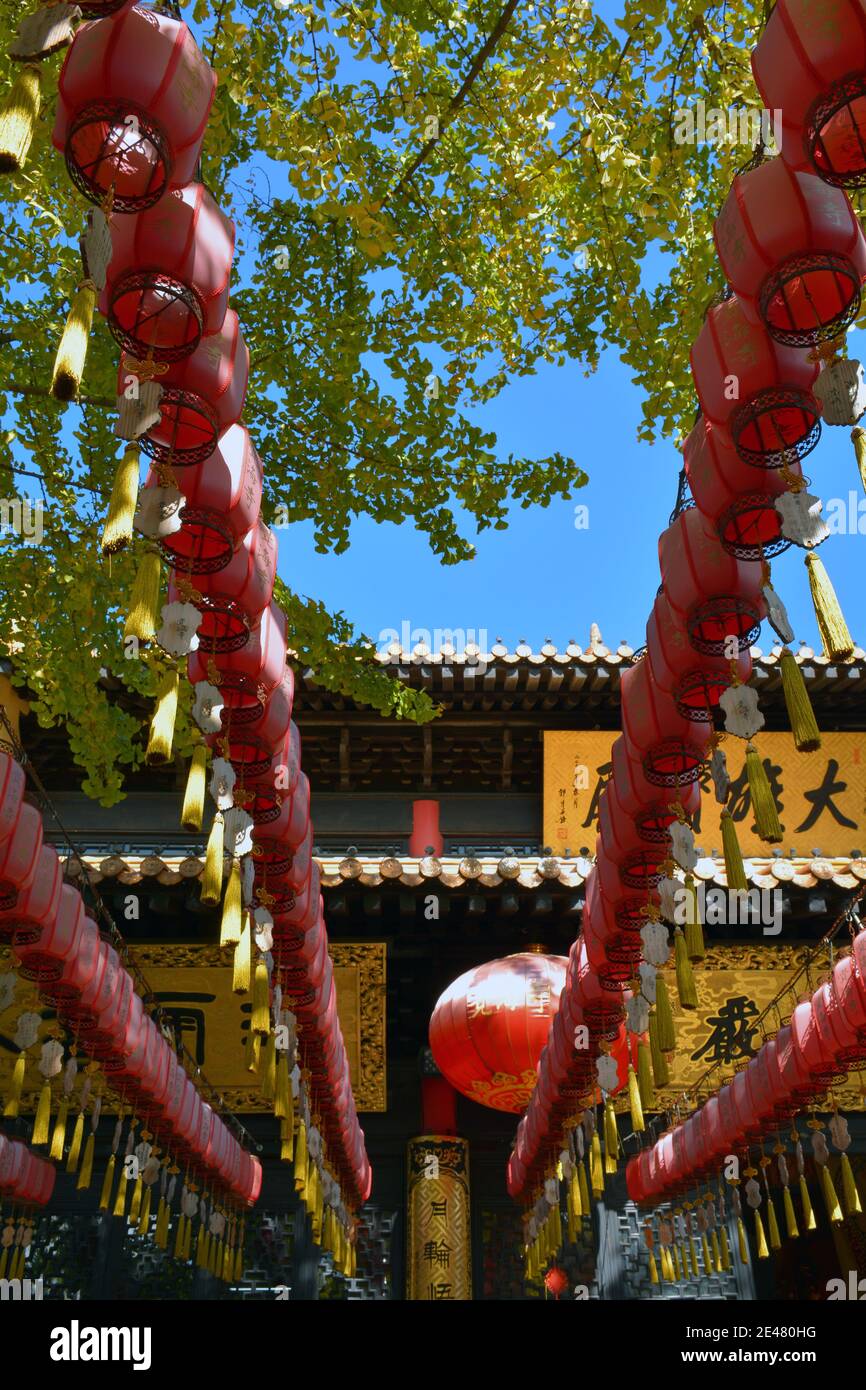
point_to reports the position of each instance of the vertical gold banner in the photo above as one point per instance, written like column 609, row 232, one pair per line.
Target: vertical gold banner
column 439, row 1253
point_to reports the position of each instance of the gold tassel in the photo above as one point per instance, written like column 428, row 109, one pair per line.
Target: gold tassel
column 685, row 976
column 269, row 1071
column 117, row 532
column 858, row 437
column 726, row 1249
column 212, row 874
column 243, row 953
column 58, row 1138
column 831, row 1201
column 287, row 1142
column 162, row 725
column 763, row 803
column 282, row 1087
column 850, row 1195
column 705, row 1252
column 85, row 1177
column 735, row 871
column 180, row 1237
column 158, row 1233
column 18, row 117
column 611, row 1139
column 653, row 1270
column 773, row 1226
column 72, row 348
column 664, row 1018
column 838, row 643
column 634, row 1100
column 193, row 801
column 806, row 1202
column 120, row 1199
column 16, row 1086
column 75, row 1147
column 144, row 1222
column 135, row 1204
column 801, row 716
column 716, row 1252
column 4, row 1260
column 583, row 1187
column 230, row 927
column 763, row 1252
column 684, row 1261
column 107, row 1183
column 644, row 1076
column 741, row 1238
column 260, row 1021
column 254, row 1051
column 575, row 1195
column 661, row 1072
column 790, row 1218
column 187, row 1240
column 43, row 1116
column 596, row 1176
column 694, row 932
column 301, row 1159
column 144, row 604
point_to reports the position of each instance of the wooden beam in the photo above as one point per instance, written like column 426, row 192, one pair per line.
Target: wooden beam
column 345, row 765
column 507, row 758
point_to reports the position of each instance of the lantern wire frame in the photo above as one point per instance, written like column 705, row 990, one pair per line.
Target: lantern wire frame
column 140, row 299
column 186, row 412
column 778, row 426
column 789, row 298
column 130, row 163
column 841, row 114
column 751, row 528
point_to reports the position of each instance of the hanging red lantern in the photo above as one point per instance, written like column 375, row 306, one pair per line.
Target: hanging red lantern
column 19, row 855
column 603, row 1009
column 757, row 391
column 738, row 502
column 222, row 499
column 809, row 67
column 849, row 980
column 250, row 748
column 109, row 1026
column 820, row 1057
column 97, row 991
column 167, row 284
column 642, row 800
column 837, row 1035
column 135, row 93
column 295, row 913
column 202, row 395
column 696, row 680
column 247, row 676
column 37, row 907
column 231, row 600
column 611, row 929
column 638, row 860
column 77, row 985
column 795, row 1074
column 42, row 956
column 749, row 1120
column 721, row 596
column 12, row 787
column 792, row 250
column 127, row 1051
column 670, row 748
column 488, row 1028
column 556, row 1281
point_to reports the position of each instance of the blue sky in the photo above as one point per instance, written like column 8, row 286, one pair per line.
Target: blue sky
column 543, row 577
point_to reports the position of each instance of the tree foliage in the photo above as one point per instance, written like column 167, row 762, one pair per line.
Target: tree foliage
column 465, row 190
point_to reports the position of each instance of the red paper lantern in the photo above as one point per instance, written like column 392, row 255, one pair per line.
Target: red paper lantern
column 247, row 676
column 695, row 679
column 43, row 956
column 795, row 1075
column 849, row 979
column 489, row 1026
column 838, row 1036
column 809, row 67
column 556, row 1281
column 720, row 596
column 602, row 1009
column 792, row 250
column 613, row 944
column 250, row 747
column 12, row 787
column 738, row 502
column 231, row 600
column 19, row 855
column 670, row 748
column 88, row 1006
column 222, row 496
column 621, row 840
column 202, row 395
column 642, row 800
column 820, row 1057
column 135, row 93
column 76, row 988
column 37, row 907
column 167, row 285
column 758, row 391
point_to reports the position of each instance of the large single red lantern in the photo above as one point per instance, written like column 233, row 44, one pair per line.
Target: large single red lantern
column 721, row 596
column 247, row 676
column 696, row 680
column 556, row 1281
column 793, row 252
column 737, row 501
column 810, row 68
column 489, row 1026
column 222, row 498
column 167, row 285
column 135, row 93
column 759, row 391
column 202, row 395
column 231, row 600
